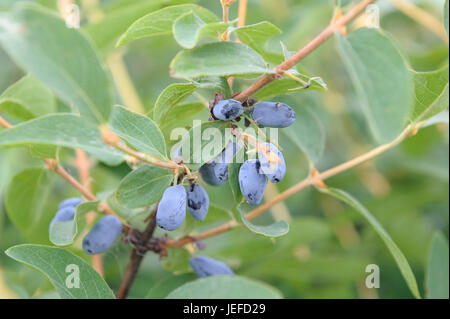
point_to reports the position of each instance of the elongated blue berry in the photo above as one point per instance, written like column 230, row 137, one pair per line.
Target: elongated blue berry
column 74, row 201
column 204, row 266
column 227, row 110
column 102, row 235
column 274, row 171
column 198, row 202
column 172, row 208
column 216, row 171
column 252, row 183
column 63, row 215
column 273, row 114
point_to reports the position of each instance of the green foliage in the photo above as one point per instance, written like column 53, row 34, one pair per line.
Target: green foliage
column 431, row 93
column 160, row 22
column 230, row 288
column 143, row 186
column 382, row 81
column 139, row 131
column 54, row 262
column 218, row 59
column 60, row 57
column 189, row 28
column 27, row 198
column 437, row 269
column 399, row 257
column 64, row 233
column 277, row 229
column 27, row 99
column 67, row 130
column 171, row 96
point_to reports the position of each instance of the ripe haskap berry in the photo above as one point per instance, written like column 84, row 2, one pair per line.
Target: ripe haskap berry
column 252, row 183
column 204, row 266
column 198, row 202
column 227, row 110
column 102, row 235
column 74, row 201
column 172, row 208
column 273, row 114
column 216, row 171
column 274, row 171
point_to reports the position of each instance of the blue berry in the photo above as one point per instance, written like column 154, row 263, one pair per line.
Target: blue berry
column 274, row 171
column 204, row 266
column 102, row 235
column 216, row 171
column 172, row 208
column 64, row 214
column 74, row 201
column 198, row 202
column 252, row 183
column 227, row 110
column 273, row 114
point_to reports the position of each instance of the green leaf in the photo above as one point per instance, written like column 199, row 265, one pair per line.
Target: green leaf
column 59, row 266
column 381, row 79
column 287, row 86
column 139, row 131
column 307, row 133
column 64, row 233
column 218, row 59
column 204, row 142
column 177, row 260
column 171, row 96
column 257, row 35
column 106, row 32
column 181, row 115
column 437, row 277
column 164, row 286
column 225, row 287
column 143, row 187
column 26, row 99
column 446, row 16
column 27, row 196
column 276, row 229
column 399, row 258
column 68, row 130
column 188, row 29
column 160, row 22
column 43, row 151
column 431, row 93
column 62, row 58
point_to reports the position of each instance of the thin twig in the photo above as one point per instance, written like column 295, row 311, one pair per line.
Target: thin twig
column 136, row 258
column 310, row 181
column 83, row 166
column 242, row 13
column 305, row 51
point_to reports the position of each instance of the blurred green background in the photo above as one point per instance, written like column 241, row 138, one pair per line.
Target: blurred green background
column 329, row 245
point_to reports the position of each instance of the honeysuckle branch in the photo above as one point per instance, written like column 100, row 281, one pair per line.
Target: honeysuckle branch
column 58, row 169
column 313, row 180
column 278, row 71
column 225, row 12
column 136, row 258
column 242, row 13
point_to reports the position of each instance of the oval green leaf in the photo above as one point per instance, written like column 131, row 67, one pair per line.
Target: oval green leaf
column 58, row 265
column 225, row 287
